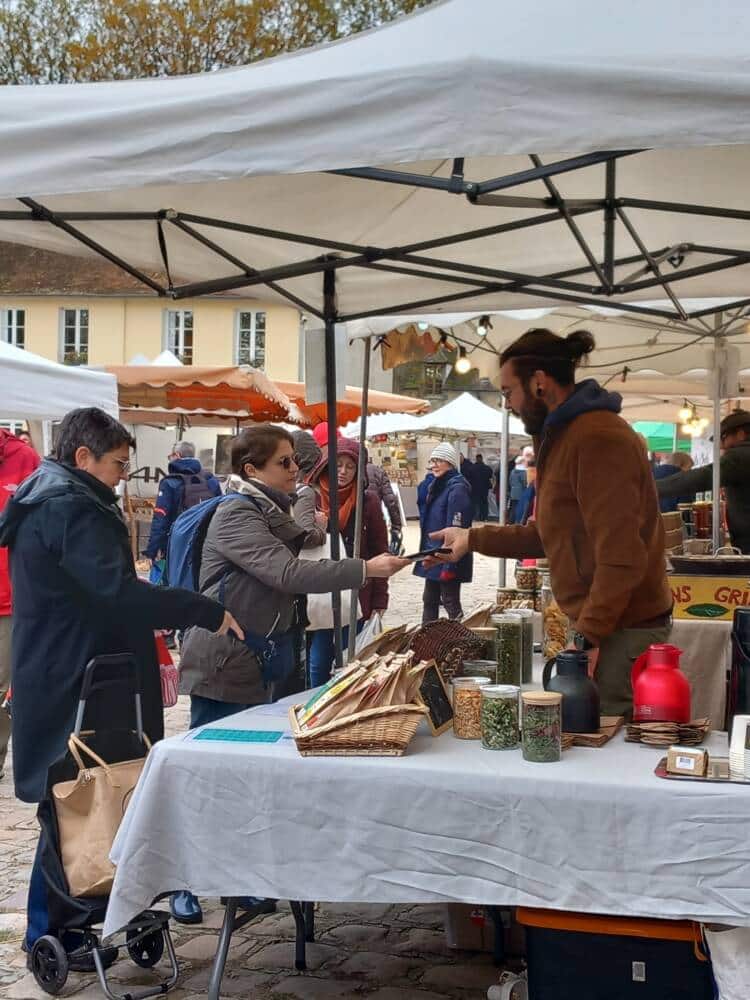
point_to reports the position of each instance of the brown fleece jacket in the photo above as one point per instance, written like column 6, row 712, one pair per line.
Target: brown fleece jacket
column 598, row 524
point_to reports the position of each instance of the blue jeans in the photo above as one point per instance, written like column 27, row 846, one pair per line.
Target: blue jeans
column 205, row 710
column 322, row 653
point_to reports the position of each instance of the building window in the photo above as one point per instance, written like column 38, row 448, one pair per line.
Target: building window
column 178, row 336
column 74, row 340
column 250, row 340
column 13, row 327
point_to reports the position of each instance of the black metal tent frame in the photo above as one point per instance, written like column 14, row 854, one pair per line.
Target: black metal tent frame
column 593, row 282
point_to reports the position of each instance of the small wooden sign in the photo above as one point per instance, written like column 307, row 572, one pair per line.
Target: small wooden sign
column 433, row 694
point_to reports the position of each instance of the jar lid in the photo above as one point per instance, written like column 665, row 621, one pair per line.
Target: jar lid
column 485, row 664
column 541, row 697
column 465, row 681
column 520, row 612
column 505, row 617
column 503, row 691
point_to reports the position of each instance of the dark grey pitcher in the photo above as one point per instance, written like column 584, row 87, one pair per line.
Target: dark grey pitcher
column 580, row 704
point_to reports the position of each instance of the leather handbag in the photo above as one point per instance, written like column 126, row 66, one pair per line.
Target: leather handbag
column 89, row 811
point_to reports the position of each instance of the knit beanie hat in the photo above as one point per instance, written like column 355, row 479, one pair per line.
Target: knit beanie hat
column 306, row 450
column 446, row 453
column 320, row 433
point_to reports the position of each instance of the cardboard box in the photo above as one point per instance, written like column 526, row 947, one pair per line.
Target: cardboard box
column 709, row 598
column 470, row 928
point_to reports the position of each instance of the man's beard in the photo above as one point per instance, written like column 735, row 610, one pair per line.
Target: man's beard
column 533, row 412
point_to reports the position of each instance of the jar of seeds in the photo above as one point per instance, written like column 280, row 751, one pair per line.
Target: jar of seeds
column 481, row 668
column 467, row 707
column 504, row 597
column 526, row 578
column 500, row 717
column 541, row 727
column 508, row 647
column 487, row 637
column 527, row 643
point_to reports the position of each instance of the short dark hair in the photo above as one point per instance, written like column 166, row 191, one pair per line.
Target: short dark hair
column 92, row 428
column 540, row 349
column 256, row 445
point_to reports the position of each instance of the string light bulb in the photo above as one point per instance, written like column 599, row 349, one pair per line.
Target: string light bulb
column 686, row 413
column 462, row 365
column 484, row 326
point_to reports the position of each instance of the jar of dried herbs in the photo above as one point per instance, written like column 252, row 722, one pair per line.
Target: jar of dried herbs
column 481, row 668
column 541, row 728
column 467, row 707
column 500, row 717
column 508, row 647
column 487, row 636
column 527, row 643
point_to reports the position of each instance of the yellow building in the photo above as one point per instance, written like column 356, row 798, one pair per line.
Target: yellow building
column 86, row 311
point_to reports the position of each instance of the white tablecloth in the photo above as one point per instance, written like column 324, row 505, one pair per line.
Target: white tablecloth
column 597, row 832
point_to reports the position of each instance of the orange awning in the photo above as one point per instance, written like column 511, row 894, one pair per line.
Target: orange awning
column 350, row 408
column 237, row 391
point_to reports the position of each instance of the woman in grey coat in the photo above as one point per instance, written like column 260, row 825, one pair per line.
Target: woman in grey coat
column 250, row 559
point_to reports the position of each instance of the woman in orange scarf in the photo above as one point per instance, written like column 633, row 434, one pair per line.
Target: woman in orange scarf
column 373, row 597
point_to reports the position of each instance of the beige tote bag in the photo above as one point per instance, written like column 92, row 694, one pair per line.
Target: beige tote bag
column 89, row 812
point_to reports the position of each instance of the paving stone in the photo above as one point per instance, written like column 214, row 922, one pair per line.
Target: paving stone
column 405, row 993
column 467, row 977
column 381, row 968
column 362, row 913
column 311, row 988
column 234, row 984
column 16, row 901
column 427, row 915
column 281, row 956
column 355, row 935
column 200, row 949
column 13, row 925
column 417, row 940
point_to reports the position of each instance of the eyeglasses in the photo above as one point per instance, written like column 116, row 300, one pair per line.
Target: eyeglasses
column 288, row 461
column 124, row 465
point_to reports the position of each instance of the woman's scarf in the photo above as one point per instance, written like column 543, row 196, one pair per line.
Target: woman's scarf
column 347, row 498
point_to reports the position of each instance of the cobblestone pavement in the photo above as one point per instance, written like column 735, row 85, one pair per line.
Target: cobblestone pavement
column 381, row 952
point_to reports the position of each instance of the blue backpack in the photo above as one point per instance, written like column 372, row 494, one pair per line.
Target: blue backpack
column 186, row 538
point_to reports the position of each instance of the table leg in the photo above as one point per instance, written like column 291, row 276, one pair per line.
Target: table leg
column 220, row 958
column 300, row 962
column 496, row 916
column 309, row 921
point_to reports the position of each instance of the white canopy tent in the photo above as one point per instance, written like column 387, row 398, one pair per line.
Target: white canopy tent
column 33, row 388
column 494, row 149
column 468, row 415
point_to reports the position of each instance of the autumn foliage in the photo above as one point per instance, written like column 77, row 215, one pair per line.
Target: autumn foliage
column 62, row 41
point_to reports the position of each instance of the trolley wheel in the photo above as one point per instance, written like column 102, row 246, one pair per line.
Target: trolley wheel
column 49, row 964
column 146, row 951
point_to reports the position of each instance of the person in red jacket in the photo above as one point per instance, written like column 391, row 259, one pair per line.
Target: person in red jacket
column 17, row 461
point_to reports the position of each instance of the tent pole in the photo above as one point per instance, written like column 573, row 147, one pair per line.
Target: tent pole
column 329, row 312
column 361, row 473
column 502, row 501
column 718, row 381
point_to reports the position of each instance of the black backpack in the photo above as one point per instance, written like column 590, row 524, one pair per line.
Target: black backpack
column 195, row 488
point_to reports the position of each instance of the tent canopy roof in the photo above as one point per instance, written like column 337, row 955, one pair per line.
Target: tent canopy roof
column 468, row 415
column 462, row 96
column 34, row 388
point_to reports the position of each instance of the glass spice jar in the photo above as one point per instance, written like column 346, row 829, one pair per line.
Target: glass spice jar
column 508, row 647
column 527, row 643
column 504, row 597
column 467, row 707
column 541, row 726
column 526, row 578
column 481, row 668
column 500, row 717
column 487, row 637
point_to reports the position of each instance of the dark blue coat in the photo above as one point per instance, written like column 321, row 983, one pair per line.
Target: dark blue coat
column 444, row 502
column 169, row 502
column 76, row 595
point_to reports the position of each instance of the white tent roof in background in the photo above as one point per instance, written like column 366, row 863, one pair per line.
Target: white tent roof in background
column 33, row 388
column 166, row 360
column 487, row 80
column 383, row 423
column 468, row 415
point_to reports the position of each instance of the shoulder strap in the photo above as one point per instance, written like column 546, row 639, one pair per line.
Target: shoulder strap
column 224, row 572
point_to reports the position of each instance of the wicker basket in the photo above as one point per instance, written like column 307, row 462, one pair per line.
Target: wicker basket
column 376, row 732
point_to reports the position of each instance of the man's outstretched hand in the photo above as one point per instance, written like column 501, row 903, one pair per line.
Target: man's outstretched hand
column 455, row 539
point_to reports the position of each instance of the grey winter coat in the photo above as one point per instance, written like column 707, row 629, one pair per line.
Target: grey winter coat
column 253, row 543
column 304, row 515
column 380, row 482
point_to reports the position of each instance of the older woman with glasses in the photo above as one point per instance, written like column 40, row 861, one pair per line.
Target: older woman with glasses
column 444, row 500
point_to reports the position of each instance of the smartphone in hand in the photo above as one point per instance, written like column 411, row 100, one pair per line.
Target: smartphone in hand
column 419, row 556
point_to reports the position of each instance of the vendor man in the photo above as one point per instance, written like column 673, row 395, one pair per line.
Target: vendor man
column 597, row 514
column 734, row 475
